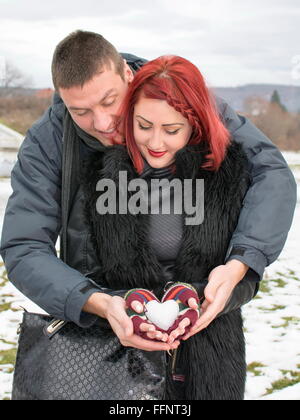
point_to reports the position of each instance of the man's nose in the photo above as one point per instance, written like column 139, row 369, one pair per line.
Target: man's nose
column 103, row 121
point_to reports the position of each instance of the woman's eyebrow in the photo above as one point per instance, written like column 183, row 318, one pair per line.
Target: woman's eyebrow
column 149, row 122
column 164, row 125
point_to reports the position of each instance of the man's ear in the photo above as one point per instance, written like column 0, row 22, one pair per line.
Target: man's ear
column 128, row 73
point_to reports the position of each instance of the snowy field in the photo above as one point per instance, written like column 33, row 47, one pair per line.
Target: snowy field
column 272, row 319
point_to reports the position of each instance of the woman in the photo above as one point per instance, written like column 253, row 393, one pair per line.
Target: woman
column 173, row 131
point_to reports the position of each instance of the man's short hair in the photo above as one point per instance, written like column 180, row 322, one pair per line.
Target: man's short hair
column 82, row 55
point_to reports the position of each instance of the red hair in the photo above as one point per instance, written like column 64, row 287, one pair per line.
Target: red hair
column 180, row 83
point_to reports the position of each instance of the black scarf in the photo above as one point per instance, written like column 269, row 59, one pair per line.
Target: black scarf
column 71, row 163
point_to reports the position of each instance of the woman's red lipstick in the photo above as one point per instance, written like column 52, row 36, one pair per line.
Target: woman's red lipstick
column 156, row 154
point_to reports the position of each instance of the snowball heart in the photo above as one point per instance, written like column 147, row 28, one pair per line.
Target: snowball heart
column 163, row 315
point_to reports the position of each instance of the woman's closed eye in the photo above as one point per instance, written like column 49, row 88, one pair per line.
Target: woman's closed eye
column 144, row 127
column 172, row 132
column 168, row 131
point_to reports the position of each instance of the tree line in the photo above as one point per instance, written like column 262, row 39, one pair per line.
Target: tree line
column 274, row 120
column 19, row 111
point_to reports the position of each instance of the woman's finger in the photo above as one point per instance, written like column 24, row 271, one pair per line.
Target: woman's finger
column 144, row 327
column 184, row 323
column 193, row 303
column 158, row 335
column 180, row 330
column 152, row 333
column 137, row 306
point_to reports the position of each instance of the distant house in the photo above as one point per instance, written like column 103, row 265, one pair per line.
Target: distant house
column 10, row 142
column 44, row 93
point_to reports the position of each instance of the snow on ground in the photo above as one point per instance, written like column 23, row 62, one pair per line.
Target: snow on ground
column 271, row 320
column 293, row 158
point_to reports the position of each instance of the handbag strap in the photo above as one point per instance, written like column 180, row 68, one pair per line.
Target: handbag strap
column 70, row 144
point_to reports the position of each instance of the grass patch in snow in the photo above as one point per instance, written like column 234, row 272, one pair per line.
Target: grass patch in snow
column 2, row 340
column 292, row 275
column 288, row 320
column 279, row 282
column 264, row 286
column 5, row 306
column 290, row 377
column 254, row 368
column 8, row 357
column 274, row 308
column 2, row 282
column 3, row 276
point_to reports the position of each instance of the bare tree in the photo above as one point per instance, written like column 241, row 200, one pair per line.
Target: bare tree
column 13, row 78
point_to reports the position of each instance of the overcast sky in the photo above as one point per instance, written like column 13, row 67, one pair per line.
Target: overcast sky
column 233, row 42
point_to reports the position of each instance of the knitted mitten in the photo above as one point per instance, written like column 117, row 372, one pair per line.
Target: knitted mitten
column 181, row 293
column 143, row 296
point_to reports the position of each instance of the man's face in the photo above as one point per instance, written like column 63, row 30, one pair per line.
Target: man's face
column 94, row 106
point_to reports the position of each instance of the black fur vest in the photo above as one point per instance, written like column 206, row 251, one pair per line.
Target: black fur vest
column 212, row 361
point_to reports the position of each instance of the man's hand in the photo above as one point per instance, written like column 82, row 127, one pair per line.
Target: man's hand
column 221, row 283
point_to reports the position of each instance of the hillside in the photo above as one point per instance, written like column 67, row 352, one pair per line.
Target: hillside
column 236, row 96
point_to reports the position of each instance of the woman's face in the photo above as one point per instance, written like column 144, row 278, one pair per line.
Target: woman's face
column 159, row 131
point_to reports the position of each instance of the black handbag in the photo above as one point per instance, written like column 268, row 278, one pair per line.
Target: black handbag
column 58, row 360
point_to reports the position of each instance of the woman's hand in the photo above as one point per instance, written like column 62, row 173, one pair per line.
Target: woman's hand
column 221, row 283
column 113, row 308
column 123, row 328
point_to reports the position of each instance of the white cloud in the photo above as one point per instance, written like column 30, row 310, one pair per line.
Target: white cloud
column 232, row 42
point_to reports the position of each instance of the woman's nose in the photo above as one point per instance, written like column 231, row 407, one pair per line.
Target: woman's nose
column 156, row 142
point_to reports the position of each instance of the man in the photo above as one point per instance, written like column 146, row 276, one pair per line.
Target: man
column 91, row 79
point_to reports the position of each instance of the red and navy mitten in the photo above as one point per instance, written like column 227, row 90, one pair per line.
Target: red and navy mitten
column 143, row 296
column 181, row 293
